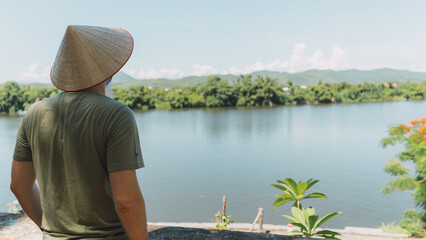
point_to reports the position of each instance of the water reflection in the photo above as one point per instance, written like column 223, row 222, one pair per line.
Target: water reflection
column 195, row 156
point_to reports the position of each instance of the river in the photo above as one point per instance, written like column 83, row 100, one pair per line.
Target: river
column 194, row 157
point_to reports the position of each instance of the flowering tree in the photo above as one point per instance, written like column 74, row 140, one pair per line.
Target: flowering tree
column 409, row 167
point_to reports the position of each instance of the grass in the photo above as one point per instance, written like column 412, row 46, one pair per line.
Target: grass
column 392, row 228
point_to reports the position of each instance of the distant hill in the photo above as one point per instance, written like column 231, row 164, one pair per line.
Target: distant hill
column 301, row 78
column 163, row 82
column 310, row 77
column 121, row 77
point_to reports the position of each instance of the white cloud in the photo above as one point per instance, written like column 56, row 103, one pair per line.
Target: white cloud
column 202, row 70
column 258, row 66
column 317, row 60
column 161, row 73
column 337, row 60
column 35, row 73
column 197, row 70
column 278, row 65
column 300, row 60
column 418, row 68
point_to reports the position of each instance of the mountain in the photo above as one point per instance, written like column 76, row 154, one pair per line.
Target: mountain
column 163, row 82
column 123, row 80
column 121, row 77
column 300, row 78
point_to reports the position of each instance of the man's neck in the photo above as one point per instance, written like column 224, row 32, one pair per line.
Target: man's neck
column 100, row 88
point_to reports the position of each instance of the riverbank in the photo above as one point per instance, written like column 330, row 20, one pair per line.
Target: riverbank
column 217, row 92
column 20, row 227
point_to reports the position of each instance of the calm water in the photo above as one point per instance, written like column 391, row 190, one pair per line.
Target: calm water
column 193, row 157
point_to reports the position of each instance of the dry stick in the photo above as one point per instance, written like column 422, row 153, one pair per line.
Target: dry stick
column 224, row 205
column 255, row 220
column 217, row 218
column 261, row 219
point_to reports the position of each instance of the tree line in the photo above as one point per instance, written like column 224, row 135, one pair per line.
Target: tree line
column 264, row 91
column 218, row 92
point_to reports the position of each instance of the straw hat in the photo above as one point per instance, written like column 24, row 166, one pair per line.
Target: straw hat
column 90, row 55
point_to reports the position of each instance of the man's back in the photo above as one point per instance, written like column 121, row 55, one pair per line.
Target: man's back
column 75, row 139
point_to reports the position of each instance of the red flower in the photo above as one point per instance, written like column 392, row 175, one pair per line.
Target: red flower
column 413, row 121
column 422, row 128
column 406, row 130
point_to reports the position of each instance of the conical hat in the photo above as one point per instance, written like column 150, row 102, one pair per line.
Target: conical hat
column 90, row 55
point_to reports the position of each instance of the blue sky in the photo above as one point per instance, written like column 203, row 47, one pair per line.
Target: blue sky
column 181, row 38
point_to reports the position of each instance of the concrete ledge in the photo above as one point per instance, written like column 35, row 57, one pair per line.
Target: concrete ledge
column 371, row 232
column 183, row 233
column 347, row 232
column 20, row 227
column 213, row 225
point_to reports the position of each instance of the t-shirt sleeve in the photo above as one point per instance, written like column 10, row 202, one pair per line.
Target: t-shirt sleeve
column 22, row 147
column 123, row 151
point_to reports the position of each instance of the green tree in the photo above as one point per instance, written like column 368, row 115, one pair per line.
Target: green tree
column 217, row 92
column 177, row 99
column 413, row 137
column 267, row 92
column 323, row 93
column 301, row 96
column 11, row 97
column 245, row 91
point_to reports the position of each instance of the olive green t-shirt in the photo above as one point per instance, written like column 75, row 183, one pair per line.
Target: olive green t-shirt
column 74, row 140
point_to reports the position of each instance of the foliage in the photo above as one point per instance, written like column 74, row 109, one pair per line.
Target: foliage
column 305, row 219
column 392, row 228
column 225, row 221
column 323, row 93
column 309, row 222
column 14, row 97
column 413, row 180
column 412, row 222
column 218, row 92
column 294, row 192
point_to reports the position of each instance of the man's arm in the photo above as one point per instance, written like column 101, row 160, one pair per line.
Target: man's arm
column 129, row 203
column 26, row 191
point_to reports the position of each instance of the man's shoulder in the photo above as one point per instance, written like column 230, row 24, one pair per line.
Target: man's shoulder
column 104, row 103
column 85, row 100
column 42, row 104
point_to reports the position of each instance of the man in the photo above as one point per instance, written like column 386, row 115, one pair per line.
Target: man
column 81, row 146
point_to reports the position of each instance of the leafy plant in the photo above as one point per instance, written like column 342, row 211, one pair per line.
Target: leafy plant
column 392, row 228
column 412, row 222
column 309, row 222
column 409, row 177
column 294, row 192
column 225, row 221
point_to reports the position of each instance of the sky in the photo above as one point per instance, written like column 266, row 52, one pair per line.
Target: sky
column 174, row 39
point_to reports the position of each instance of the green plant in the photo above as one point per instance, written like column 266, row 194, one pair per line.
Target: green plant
column 309, row 222
column 294, row 192
column 225, row 221
column 409, row 170
column 392, row 228
column 412, row 222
